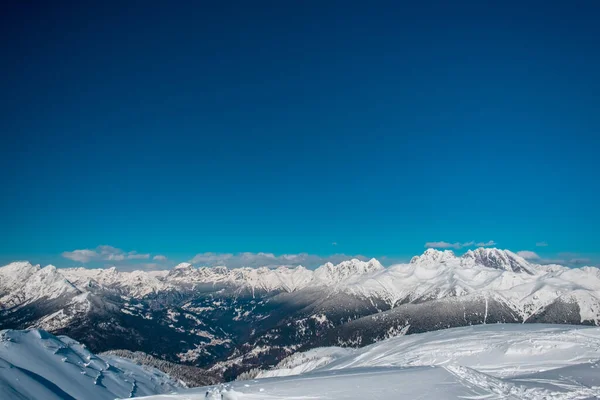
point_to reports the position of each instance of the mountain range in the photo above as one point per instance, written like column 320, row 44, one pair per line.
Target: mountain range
column 232, row 320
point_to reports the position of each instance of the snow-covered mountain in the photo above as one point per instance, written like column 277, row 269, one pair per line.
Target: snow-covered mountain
column 499, row 361
column 37, row 365
column 22, row 283
column 284, row 279
column 232, row 320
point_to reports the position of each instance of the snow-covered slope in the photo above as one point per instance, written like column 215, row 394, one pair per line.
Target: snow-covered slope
column 511, row 361
column 36, row 365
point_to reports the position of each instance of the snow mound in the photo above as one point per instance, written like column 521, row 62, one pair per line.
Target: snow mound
column 299, row 363
column 37, row 365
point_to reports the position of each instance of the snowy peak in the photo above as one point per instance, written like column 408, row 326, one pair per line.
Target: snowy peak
column 487, row 257
column 136, row 283
column 433, row 256
column 46, row 283
column 374, row 265
column 331, row 274
column 498, row 259
column 284, row 278
column 14, row 274
column 183, row 266
column 182, row 270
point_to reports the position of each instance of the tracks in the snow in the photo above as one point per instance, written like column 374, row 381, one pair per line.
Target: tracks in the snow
column 491, row 388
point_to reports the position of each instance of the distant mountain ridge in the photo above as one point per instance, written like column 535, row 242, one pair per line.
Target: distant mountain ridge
column 233, row 319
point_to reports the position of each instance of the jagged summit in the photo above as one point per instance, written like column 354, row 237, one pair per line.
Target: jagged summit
column 15, row 273
column 487, row 257
column 183, row 265
column 182, row 270
column 331, row 274
column 433, row 256
column 498, row 259
column 22, row 283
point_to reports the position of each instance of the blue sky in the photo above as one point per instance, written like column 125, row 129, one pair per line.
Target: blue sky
column 283, row 128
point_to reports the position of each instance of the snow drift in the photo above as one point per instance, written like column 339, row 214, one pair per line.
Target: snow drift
column 36, row 365
column 499, row 361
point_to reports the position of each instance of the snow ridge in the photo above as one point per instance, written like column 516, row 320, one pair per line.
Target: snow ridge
column 38, row 365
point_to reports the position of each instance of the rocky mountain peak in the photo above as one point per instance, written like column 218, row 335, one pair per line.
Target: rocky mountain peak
column 497, row 259
column 431, row 256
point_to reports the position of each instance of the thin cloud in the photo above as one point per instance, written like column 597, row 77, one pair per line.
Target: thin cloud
column 528, row 255
column 115, row 257
column 566, row 259
column 159, row 257
column 151, row 266
column 579, row 261
column 247, row 259
column 133, row 255
column 82, row 256
column 443, row 245
column 458, row 245
column 107, row 253
column 546, row 261
column 541, row 244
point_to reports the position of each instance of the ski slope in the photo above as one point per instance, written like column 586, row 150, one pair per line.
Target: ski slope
column 500, row 361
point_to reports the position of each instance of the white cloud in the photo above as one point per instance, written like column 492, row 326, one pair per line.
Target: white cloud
column 115, row 257
column 108, row 253
column 528, row 255
column 443, row 245
column 568, row 259
column 133, row 255
column 458, row 245
column 579, row 261
column 545, row 261
column 82, row 256
column 486, row 244
column 150, row 266
column 159, row 257
column 541, row 244
column 209, row 258
column 248, row 259
column 572, row 262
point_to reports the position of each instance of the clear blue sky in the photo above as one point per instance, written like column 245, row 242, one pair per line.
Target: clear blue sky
column 285, row 127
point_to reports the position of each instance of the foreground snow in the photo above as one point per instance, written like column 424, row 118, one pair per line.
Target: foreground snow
column 480, row 362
column 36, row 365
